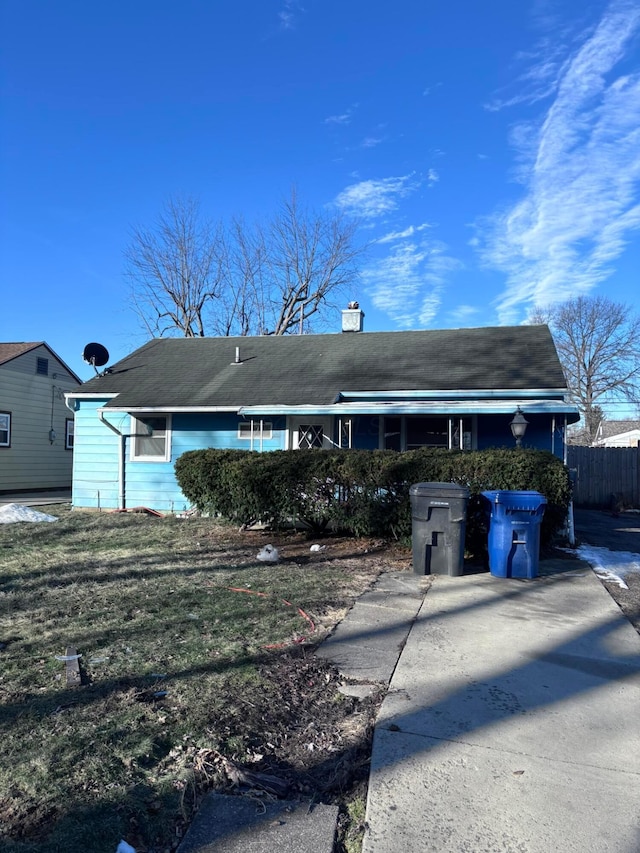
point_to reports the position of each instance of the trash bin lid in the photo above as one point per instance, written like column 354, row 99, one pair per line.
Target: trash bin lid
column 439, row 490
column 512, row 499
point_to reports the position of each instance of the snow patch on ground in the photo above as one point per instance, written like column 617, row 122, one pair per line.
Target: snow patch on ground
column 16, row 512
column 610, row 566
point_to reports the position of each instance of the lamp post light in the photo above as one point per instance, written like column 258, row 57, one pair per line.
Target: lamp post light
column 519, row 426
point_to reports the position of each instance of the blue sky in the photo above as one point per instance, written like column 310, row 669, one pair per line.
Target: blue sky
column 491, row 150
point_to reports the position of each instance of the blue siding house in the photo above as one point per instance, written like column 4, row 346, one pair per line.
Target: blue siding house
column 453, row 388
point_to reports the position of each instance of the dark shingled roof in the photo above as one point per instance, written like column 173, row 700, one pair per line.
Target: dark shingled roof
column 313, row 369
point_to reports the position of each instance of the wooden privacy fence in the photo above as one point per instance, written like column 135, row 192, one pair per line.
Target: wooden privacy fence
column 605, row 476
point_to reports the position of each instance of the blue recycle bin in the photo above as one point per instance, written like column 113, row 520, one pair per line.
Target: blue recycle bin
column 514, row 520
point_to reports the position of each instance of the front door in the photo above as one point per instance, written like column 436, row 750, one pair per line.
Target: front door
column 310, row 431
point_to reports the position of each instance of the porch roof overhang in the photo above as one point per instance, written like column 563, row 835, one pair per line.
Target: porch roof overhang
column 456, row 408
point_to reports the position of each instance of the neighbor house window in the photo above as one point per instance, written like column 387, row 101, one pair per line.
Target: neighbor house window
column 68, row 434
column 42, row 367
column 151, row 438
column 5, row 429
column 255, row 429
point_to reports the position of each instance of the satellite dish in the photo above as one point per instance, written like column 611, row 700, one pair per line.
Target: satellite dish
column 95, row 354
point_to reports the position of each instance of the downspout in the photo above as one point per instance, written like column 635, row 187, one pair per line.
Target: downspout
column 73, row 412
column 571, row 530
column 121, row 452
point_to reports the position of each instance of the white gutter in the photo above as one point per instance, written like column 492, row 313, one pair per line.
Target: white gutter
column 172, row 409
column 87, row 396
column 121, row 452
column 427, row 407
column 458, row 393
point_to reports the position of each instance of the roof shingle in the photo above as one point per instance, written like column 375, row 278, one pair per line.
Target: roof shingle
column 313, row 369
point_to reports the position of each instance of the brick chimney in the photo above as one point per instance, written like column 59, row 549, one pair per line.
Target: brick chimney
column 352, row 318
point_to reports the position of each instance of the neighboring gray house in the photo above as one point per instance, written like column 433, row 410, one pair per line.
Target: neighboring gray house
column 36, row 427
column 618, row 434
column 451, row 388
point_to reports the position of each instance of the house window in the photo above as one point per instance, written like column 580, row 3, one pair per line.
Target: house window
column 345, row 431
column 42, row 366
column 466, row 426
column 427, row 432
column 5, row 429
column 248, row 430
column 411, row 432
column 68, row 434
column 393, row 434
column 151, row 439
column 310, row 435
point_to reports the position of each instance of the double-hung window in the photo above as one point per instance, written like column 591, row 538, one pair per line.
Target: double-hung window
column 5, row 429
column 151, row 438
column 68, row 434
column 255, row 430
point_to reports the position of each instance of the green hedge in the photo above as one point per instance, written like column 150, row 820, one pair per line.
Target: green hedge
column 360, row 491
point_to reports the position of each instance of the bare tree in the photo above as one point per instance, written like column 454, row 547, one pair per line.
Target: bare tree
column 311, row 259
column 193, row 278
column 598, row 342
column 241, row 307
column 173, row 270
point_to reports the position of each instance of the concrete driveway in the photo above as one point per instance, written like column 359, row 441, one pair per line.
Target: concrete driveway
column 56, row 496
column 618, row 533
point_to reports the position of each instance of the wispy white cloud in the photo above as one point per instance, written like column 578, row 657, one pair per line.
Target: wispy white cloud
column 407, row 284
column 463, row 314
column 371, row 141
column 342, row 118
column 374, row 198
column 580, row 167
column 394, row 236
column 432, row 177
column 287, row 14
column 541, row 70
column 429, row 90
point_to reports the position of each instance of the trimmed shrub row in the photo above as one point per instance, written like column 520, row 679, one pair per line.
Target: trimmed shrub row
column 361, row 491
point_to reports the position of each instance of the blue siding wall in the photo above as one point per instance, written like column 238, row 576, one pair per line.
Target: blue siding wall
column 153, row 484
column 95, row 457
column 150, row 484
column 494, row 431
column 366, row 431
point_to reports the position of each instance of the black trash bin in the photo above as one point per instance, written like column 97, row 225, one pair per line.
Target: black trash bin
column 514, row 520
column 438, row 513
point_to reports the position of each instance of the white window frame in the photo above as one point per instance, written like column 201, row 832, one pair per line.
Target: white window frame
column 6, row 429
column 248, row 430
column 69, row 433
column 139, row 429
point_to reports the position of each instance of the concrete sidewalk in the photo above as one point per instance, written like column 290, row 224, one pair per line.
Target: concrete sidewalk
column 512, row 721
